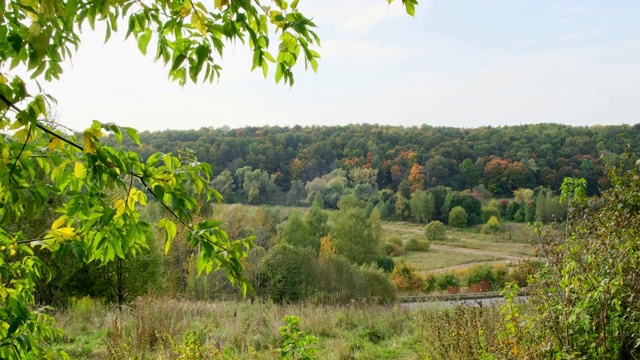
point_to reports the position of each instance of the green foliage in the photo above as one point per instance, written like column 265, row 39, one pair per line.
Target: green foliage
column 468, row 202
column 549, row 208
column 446, row 281
column 458, row 217
column 353, row 236
column 434, row 231
column 592, row 308
column 422, row 206
column 491, row 227
column 386, row 263
column 295, row 344
column 494, row 277
column 416, row 244
column 316, row 220
column 290, row 273
column 391, row 249
column 488, row 212
column 395, row 238
column 296, row 232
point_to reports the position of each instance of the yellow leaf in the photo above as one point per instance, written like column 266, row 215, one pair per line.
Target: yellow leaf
column 59, row 222
column 16, row 125
column 185, row 9
column 142, row 198
column 197, row 19
column 5, row 155
column 119, row 206
column 90, row 136
column 131, row 200
column 79, row 170
column 67, row 232
column 55, row 143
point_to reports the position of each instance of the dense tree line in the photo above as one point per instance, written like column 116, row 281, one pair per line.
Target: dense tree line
column 502, row 159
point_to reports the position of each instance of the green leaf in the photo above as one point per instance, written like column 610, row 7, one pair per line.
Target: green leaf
column 410, row 6
column 170, row 232
column 133, row 134
column 143, row 41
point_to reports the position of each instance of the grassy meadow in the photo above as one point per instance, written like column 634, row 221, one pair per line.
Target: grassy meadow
column 178, row 329
column 463, row 248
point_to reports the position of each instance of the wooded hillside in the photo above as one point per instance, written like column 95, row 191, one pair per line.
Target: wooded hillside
column 503, row 159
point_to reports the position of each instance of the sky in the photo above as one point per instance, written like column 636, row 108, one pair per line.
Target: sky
column 461, row 63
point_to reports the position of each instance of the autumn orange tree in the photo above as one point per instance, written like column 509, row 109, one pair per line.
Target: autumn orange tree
column 94, row 189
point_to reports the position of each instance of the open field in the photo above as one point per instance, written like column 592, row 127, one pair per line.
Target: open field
column 463, row 248
column 436, row 260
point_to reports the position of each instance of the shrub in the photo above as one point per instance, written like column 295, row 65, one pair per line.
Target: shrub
column 445, row 282
column 481, row 273
column 392, row 249
column 428, row 284
column 434, row 231
column 520, row 275
column 296, row 344
column 488, row 212
column 290, row 272
column 377, row 284
column 415, row 244
column 386, row 263
column 458, row 217
column 405, row 277
column 340, row 281
column 395, row 239
column 491, row 227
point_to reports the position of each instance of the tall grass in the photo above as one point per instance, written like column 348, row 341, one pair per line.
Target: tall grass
column 153, row 328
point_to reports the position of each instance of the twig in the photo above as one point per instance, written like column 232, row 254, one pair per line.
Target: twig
column 18, row 157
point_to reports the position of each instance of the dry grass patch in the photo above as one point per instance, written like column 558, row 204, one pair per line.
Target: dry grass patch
column 437, row 259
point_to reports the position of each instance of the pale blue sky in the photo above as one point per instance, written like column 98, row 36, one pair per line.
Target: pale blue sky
column 457, row 63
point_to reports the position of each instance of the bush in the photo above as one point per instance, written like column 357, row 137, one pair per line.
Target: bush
column 395, row 239
column 428, row 284
column 290, row 273
column 340, row 281
column 447, row 281
column 481, row 273
column 392, row 249
column 387, row 264
column 491, row 227
column 415, row 244
column 488, row 212
column 377, row 284
column 434, row 231
column 406, row 278
column 458, row 217
column 522, row 272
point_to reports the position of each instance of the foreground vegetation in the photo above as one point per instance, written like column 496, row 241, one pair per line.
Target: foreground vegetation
column 177, row 329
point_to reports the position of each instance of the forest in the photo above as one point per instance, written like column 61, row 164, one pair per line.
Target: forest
column 345, row 242
column 504, row 159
